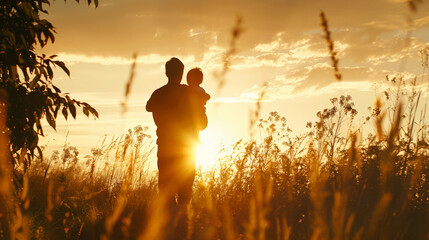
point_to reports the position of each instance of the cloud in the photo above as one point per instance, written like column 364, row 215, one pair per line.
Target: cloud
column 119, row 28
column 312, row 81
column 421, row 22
column 256, row 94
column 277, row 34
column 320, row 76
column 281, row 35
column 113, row 60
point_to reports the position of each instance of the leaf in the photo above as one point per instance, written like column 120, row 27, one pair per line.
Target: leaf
column 30, row 154
column 22, row 155
column 69, row 100
column 72, row 109
column 93, row 111
column 43, row 72
column 62, row 65
column 24, row 71
column 56, row 110
column 38, row 124
column 50, row 72
column 56, row 89
column 85, row 111
column 50, row 119
column 40, row 153
column 33, row 143
column 65, row 113
column 34, row 81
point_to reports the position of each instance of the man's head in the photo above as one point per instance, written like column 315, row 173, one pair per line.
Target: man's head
column 195, row 77
column 174, row 70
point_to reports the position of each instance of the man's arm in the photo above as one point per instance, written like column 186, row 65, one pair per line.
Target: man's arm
column 152, row 103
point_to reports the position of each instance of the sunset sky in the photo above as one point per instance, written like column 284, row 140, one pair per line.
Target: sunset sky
column 282, row 46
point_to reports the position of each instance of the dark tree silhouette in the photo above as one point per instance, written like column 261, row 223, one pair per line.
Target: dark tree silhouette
column 26, row 77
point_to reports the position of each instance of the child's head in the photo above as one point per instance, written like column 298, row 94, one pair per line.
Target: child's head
column 194, row 77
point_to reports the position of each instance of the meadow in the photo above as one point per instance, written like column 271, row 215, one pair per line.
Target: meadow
column 344, row 178
column 330, row 183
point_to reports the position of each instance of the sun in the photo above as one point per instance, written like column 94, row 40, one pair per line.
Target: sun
column 207, row 151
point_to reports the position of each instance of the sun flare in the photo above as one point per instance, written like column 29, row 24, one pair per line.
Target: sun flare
column 207, row 152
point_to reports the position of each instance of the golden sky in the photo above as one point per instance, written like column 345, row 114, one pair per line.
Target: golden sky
column 282, row 46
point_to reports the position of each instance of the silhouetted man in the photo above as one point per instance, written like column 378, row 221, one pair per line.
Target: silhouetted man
column 177, row 123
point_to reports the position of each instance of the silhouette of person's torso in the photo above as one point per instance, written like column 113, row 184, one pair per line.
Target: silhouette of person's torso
column 175, row 115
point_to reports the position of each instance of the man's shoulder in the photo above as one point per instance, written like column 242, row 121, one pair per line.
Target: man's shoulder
column 169, row 92
column 171, row 87
column 160, row 90
column 183, row 89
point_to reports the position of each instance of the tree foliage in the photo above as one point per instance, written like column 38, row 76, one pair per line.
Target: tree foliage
column 26, row 77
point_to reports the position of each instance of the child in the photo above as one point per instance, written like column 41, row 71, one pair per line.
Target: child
column 199, row 97
column 194, row 79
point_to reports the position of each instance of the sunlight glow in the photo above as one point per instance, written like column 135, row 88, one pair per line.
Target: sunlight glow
column 207, row 152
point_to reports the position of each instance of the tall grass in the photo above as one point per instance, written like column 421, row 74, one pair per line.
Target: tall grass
column 329, row 183
column 236, row 32
column 333, row 53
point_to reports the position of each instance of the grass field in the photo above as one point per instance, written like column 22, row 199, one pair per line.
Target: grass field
column 329, row 183
column 341, row 179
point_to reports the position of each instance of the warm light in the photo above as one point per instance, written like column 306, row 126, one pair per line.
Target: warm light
column 207, row 151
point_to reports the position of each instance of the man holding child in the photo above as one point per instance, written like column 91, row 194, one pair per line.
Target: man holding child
column 179, row 114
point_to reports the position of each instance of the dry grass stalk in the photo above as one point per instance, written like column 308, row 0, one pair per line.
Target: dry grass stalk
column 228, row 224
column 226, row 60
column 157, row 220
column 331, row 47
column 412, row 5
column 318, row 195
column 117, row 211
column 260, row 206
column 424, row 53
column 254, row 115
column 129, row 85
